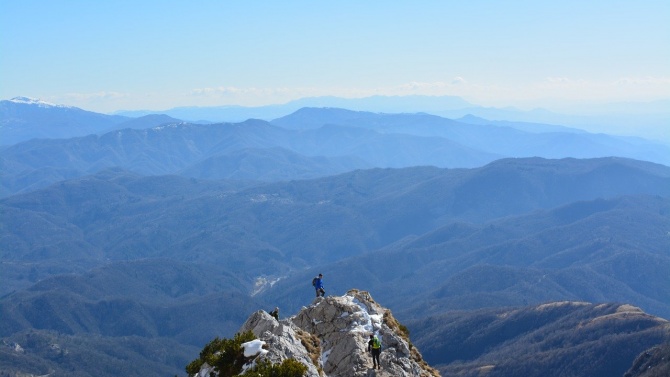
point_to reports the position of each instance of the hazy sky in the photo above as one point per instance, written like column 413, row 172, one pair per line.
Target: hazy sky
column 112, row 55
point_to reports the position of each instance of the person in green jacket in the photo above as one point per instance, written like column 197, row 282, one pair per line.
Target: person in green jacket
column 375, row 348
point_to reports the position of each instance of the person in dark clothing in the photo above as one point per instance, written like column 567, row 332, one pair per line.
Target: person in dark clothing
column 275, row 313
column 317, row 282
column 375, row 348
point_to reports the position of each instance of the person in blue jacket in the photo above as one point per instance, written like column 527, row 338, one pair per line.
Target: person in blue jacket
column 317, row 282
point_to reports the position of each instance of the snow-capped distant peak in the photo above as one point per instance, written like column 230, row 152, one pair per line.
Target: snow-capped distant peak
column 34, row 101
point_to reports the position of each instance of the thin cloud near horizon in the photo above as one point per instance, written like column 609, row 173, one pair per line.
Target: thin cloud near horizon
column 644, row 89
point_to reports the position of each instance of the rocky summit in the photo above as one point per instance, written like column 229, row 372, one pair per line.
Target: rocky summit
column 330, row 337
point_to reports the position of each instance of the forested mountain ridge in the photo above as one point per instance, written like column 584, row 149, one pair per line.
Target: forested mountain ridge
column 601, row 250
column 654, row 362
column 117, row 254
column 121, row 216
column 552, row 339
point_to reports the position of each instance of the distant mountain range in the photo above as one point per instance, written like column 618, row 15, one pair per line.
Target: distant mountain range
column 646, row 119
column 24, row 118
column 383, row 104
column 310, row 143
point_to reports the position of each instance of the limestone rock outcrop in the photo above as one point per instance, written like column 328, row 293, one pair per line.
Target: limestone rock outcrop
column 330, row 337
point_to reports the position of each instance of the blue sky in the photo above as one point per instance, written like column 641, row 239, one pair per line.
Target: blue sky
column 113, row 55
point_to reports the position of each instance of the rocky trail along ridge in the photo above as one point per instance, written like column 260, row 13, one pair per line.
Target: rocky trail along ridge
column 330, row 337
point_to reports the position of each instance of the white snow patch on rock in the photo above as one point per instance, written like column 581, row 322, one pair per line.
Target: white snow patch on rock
column 253, row 348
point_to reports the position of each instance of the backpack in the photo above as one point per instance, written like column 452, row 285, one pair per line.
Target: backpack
column 376, row 343
column 314, row 282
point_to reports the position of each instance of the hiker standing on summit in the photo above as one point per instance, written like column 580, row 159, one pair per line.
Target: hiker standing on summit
column 317, row 282
column 275, row 313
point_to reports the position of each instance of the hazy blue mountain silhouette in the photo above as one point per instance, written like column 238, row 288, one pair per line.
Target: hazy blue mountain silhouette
column 27, row 119
column 522, row 126
column 331, row 140
column 173, row 148
column 389, row 104
column 22, row 120
column 502, row 138
column 648, row 118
